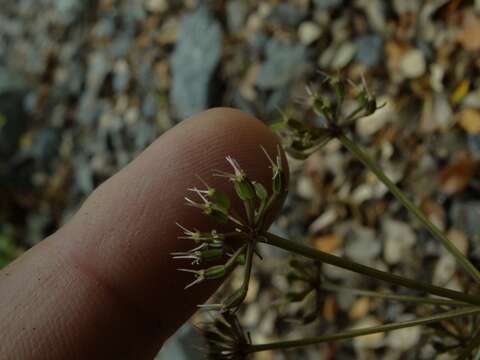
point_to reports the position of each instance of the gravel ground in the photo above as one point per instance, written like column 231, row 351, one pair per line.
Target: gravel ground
column 85, row 86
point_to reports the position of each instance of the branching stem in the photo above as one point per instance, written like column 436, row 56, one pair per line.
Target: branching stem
column 361, row 332
column 434, row 230
column 392, row 296
column 309, row 252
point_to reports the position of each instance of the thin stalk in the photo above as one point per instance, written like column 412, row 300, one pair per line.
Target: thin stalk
column 394, row 297
column 249, row 210
column 265, row 210
column 434, row 230
column 248, row 266
column 361, row 332
column 472, row 345
column 343, row 263
column 232, row 261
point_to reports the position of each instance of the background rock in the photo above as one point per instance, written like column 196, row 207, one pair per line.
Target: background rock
column 196, row 57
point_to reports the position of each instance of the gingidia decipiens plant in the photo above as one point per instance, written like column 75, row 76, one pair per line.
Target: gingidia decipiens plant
column 215, row 251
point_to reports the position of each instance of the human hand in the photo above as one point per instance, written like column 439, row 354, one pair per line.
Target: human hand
column 104, row 285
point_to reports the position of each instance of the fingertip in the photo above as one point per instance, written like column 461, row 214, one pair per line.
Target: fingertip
column 122, row 237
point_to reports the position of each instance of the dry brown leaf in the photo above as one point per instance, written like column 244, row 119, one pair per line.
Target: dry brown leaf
column 456, row 177
column 360, row 308
column 330, row 308
column 435, row 212
column 328, row 243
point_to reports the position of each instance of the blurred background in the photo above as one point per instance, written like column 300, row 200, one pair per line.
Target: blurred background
column 86, row 85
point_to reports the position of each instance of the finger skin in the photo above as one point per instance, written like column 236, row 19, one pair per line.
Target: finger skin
column 104, row 285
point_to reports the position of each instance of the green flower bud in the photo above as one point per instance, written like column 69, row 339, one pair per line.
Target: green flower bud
column 210, row 255
column 219, row 214
column 260, row 191
column 244, row 189
column 235, row 299
column 214, row 272
column 277, row 183
column 219, row 198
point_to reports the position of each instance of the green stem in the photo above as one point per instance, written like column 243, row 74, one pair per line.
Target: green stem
column 395, row 297
column 472, row 345
column 248, row 266
column 361, row 332
column 327, row 258
column 434, row 230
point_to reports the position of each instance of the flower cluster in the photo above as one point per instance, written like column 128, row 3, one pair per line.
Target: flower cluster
column 302, row 139
column 214, row 247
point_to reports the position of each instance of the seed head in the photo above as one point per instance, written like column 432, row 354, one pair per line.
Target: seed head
column 225, row 338
column 213, row 272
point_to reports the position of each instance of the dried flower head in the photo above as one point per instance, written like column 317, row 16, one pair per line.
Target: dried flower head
column 225, row 338
column 301, row 139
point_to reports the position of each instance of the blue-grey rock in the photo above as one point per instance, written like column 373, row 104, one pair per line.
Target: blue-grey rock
column 286, row 14
column 474, row 144
column 144, row 135
column 150, row 105
column 72, row 10
column 45, row 145
column 121, row 77
column 105, row 27
column 284, row 63
column 260, row 42
column 121, row 44
column 196, row 57
column 369, row 50
column 68, row 8
column 83, row 175
column 327, row 4
column 99, row 66
column 236, row 14
column 465, row 215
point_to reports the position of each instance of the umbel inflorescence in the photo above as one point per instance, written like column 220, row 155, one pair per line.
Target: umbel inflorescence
column 249, row 226
column 219, row 253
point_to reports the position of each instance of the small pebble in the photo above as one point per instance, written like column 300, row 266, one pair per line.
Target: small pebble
column 309, row 32
column 344, row 55
column 372, row 341
column 413, row 64
column 158, row 6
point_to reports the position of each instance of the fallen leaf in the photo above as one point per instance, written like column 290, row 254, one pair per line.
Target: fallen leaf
column 360, row 308
column 435, row 212
column 328, row 243
column 330, row 308
column 460, row 92
column 470, row 121
column 456, row 177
